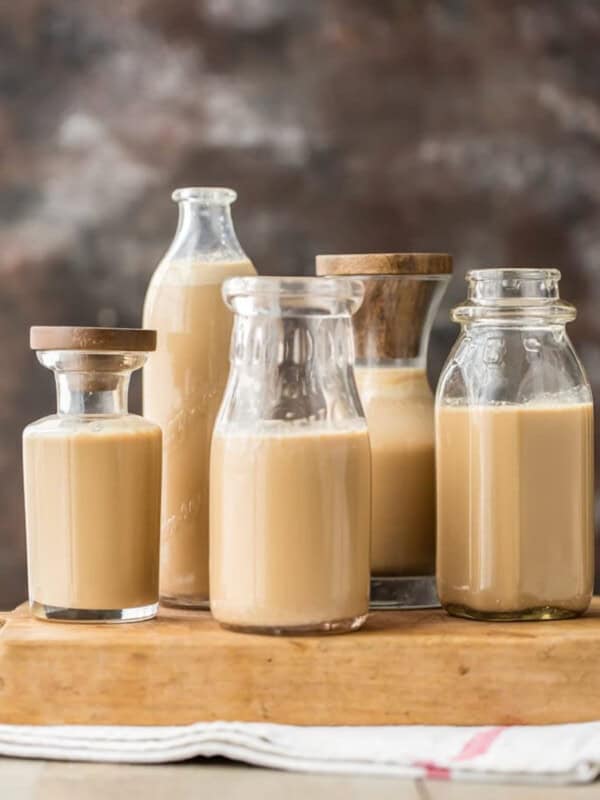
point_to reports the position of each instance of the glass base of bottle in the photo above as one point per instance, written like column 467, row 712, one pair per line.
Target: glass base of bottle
column 191, row 602
column 337, row 626
column 59, row 614
column 536, row 614
column 391, row 592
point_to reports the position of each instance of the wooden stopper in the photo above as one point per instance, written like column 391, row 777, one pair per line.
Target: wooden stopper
column 399, row 291
column 385, row 264
column 115, row 340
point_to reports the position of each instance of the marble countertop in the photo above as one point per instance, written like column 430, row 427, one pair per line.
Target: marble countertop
column 217, row 778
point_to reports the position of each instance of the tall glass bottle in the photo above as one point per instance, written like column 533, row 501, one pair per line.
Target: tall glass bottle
column 391, row 333
column 184, row 380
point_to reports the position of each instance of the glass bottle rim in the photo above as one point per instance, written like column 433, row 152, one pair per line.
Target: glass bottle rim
column 218, row 195
column 289, row 295
column 90, row 362
column 514, row 273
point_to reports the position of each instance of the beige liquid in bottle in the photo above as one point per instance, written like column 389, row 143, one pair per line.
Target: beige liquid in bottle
column 290, row 524
column 183, row 384
column 515, row 510
column 399, row 408
column 93, row 516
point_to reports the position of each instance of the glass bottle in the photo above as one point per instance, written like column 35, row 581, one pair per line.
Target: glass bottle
column 391, row 332
column 290, row 463
column 184, row 380
column 92, row 482
column 515, row 455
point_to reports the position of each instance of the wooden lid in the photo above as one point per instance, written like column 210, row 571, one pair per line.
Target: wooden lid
column 50, row 337
column 385, row 264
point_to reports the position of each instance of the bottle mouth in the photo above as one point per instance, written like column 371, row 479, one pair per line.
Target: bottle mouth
column 513, row 292
column 513, row 285
column 217, row 195
column 293, row 296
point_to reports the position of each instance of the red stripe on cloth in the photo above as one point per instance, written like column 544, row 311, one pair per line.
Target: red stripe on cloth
column 479, row 744
column 433, row 771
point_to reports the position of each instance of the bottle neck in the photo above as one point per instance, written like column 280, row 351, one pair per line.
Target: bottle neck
column 291, row 369
column 97, row 394
column 91, row 382
column 264, row 342
column 206, row 228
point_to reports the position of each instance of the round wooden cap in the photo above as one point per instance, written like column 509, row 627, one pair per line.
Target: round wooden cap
column 385, row 264
column 51, row 337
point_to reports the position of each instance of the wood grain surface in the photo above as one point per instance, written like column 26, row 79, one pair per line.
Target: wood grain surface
column 403, row 667
column 384, row 264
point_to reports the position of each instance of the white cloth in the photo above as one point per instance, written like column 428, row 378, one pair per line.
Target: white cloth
column 545, row 754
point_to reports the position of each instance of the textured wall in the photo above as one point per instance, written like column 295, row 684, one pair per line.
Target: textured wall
column 471, row 126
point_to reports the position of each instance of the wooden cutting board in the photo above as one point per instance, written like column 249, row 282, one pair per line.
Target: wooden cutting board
column 403, row 667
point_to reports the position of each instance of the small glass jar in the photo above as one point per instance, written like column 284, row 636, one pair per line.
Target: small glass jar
column 391, row 331
column 514, row 425
column 92, row 482
column 185, row 379
column 290, row 496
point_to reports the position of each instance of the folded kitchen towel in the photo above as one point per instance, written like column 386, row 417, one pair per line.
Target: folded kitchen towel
column 543, row 754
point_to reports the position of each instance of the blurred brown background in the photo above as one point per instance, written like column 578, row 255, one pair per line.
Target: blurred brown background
column 471, row 126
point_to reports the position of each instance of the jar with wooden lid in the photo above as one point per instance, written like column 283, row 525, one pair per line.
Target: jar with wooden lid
column 92, row 482
column 391, row 333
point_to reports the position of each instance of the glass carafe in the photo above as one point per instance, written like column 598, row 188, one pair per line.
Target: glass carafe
column 514, row 455
column 184, row 380
column 290, row 463
column 391, row 331
column 92, row 482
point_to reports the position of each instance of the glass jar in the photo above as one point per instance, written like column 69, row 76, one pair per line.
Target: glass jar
column 290, row 463
column 92, row 482
column 514, row 455
column 184, row 380
column 391, row 330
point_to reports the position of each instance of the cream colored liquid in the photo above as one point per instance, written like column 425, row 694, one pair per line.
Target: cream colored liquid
column 399, row 407
column 290, row 524
column 92, row 504
column 183, row 385
column 515, row 507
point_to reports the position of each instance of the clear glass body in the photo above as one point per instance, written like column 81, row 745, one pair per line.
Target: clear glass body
column 392, row 335
column 92, row 495
column 185, row 378
column 290, row 463
column 514, row 430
